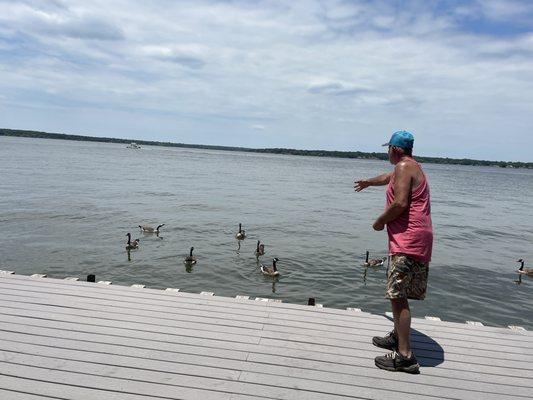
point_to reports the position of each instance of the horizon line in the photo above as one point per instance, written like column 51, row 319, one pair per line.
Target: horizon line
column 278, row 150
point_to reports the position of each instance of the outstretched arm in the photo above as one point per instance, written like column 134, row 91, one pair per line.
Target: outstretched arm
column 380, row 180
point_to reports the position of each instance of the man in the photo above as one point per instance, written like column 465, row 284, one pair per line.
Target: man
column 408, row 219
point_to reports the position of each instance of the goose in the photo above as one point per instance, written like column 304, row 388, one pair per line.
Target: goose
column 260, row 250
column 270, row 271
column 241, row 235
column 149, row 229
column 190, row 259
column 376, row 262
column 131, row 245
column 524, row 271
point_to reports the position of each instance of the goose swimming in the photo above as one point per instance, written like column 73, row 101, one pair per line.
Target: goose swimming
column 270, row 271
column 241, row 235
column 131, row 245
column 375, row 262
column 524, row 271
column 190, row 259
column 149, row 229
column 260, row 249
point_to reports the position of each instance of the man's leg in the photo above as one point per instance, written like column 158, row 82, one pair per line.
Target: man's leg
column 402, row 325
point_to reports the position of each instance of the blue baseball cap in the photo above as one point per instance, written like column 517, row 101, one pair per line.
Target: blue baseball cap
column 401, row 139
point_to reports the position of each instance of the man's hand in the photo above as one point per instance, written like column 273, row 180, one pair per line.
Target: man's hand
column 360, row 185
column 378, row 225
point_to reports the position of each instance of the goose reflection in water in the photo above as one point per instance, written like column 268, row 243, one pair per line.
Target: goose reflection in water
column 274, row 280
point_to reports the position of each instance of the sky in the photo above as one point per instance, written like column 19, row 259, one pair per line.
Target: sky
column 333, row 75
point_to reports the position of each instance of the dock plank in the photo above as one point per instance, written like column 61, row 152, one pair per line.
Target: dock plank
column 300, row 359
column 282, row 309
column 287, row 341
column 498, row 359
column 66, row 339
column 512, row 340
column 228, row 370
column 470, row 345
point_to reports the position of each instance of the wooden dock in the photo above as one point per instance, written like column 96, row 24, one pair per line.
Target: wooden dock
column 67, row 339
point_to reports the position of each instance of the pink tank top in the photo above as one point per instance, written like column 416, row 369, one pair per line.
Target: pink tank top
column 412, row 232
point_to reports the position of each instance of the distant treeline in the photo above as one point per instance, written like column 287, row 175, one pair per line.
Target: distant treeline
column 316, row 153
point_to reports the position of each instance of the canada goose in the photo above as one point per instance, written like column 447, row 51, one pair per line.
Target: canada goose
column 524, row 271
column 190, row 259
column 149, row 229
column 376, row 262
column 260, row 249
column 270, row 271
column 241, row 235
column 131, row 245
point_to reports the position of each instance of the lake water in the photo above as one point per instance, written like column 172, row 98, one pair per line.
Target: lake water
column 66, row 207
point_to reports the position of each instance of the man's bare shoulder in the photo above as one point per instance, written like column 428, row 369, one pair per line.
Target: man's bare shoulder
column 405, row 167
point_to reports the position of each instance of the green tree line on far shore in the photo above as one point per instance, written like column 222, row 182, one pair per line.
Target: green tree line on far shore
column 315, row 153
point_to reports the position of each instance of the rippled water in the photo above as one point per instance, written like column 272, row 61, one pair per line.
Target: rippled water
column 66, row 207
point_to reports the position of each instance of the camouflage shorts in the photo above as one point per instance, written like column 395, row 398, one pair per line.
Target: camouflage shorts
column 407, row 278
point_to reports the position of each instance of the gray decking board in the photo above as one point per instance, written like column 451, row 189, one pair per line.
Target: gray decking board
column 500, row 337
column 67, row 339
column 342, row 348
column 311, row 363
column 356, row 340
column 20, row 395
column 316, row 316
column 249, row 382
column 147, row 294
column 323, row 316
column 357, row 335
column 319, row 344
column 160, row 360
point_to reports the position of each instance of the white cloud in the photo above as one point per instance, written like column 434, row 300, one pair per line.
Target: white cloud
column 309, row 70
column 505, row 10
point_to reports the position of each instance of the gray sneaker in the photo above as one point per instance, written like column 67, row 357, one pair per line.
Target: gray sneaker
column 389, row 342
column 396, row 362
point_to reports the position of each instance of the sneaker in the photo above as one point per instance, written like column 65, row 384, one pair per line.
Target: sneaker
column 396, row 362
column 389, row 342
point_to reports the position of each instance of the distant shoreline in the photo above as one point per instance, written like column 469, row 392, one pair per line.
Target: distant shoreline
column 315, row 153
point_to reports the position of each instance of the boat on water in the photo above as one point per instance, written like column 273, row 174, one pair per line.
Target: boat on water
column 133, row 145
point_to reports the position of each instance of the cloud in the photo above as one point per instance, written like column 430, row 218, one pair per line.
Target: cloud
column 56, row 20
column 505, row 10
column 309, row 70
column 189, row 56
column 82, row 28
column 337, row 89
